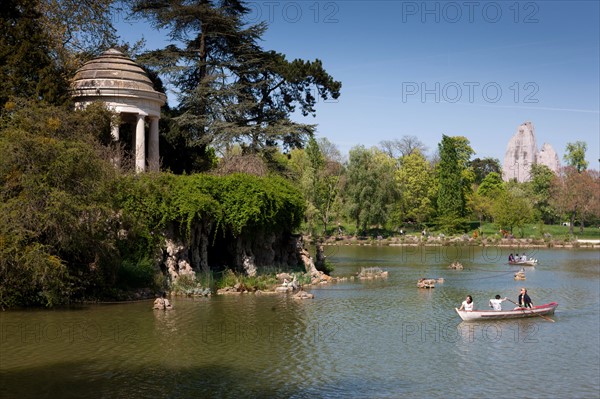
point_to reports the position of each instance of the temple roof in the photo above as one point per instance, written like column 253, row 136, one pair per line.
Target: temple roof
column 111, row 73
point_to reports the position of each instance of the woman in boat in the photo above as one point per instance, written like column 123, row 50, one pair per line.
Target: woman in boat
column 511, row 258
column 496, row 303
column 467, row 304
column 524, row 300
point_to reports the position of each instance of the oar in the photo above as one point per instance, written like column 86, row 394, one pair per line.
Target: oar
column 537, row 314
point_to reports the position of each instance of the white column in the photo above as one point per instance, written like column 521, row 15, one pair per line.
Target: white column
column 114, row 130
column 153, row 152
column 140, row 144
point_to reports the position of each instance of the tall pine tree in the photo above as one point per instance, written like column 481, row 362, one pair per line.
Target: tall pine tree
column 230, row 89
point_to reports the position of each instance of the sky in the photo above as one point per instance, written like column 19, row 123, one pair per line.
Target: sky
column 477, row 69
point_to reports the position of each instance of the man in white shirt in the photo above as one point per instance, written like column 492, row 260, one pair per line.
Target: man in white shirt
column 496, row 303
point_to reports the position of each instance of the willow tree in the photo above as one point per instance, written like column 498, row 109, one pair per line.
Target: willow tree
column 370, row 191
column 230, row 89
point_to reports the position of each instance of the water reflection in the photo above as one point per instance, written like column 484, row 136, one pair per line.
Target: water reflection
column 385, row 339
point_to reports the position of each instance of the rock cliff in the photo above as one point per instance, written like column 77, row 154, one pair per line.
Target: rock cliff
column 522, row 152
column 547, row 156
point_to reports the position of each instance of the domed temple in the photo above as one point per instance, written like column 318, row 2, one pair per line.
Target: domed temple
column 126, row 89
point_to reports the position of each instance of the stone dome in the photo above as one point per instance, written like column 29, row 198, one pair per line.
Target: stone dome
column 113, row 74
column 126, row 89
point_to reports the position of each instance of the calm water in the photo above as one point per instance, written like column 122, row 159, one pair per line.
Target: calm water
column 377, row 339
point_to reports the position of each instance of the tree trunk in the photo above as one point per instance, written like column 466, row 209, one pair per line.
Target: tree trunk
column 571, row 223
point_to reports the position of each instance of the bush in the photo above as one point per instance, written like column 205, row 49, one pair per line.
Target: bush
column 140, row 274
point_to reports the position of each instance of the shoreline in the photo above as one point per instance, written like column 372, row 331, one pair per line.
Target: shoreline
column 416, row 241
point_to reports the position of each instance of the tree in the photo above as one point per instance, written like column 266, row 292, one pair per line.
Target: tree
column 414, row 180
column 319, row 172
column 511, row 210
column 331, row 182
column 482, row 206
column 482, row 167
column 491, row 186
column 230, row 89
column 58, row 236
column 454, row 184
column 540, row 185
column 369, row 190
column 27, row 69
column 403, row 147
column 42, row 42
column 575, row 155
column 575, row 194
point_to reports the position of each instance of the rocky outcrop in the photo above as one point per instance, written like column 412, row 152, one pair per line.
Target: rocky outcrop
column 547, row 156
column 200, row 250
column 520, row 275
column 456, row 266
column 522, row 152
column 371, row 273
column 177, row 262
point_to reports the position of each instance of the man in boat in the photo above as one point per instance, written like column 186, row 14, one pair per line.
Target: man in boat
column 496, row 303
column 524, row 300
column 467, row 304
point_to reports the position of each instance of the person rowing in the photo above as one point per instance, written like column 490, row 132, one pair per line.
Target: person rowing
column 524, row 300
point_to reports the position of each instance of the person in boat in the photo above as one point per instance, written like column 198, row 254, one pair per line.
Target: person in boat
column 524, row 299
column 496, row 303
column 162, row 303
column 467, row 304
column 511, row 258
column 524, row 258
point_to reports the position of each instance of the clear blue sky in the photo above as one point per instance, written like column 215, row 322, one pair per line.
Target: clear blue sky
column 426, row 68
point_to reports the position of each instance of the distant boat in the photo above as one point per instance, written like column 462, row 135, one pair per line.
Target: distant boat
column 529, row 262
column 515, row 313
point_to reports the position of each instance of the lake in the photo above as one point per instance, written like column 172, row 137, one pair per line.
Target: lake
column 355, row 339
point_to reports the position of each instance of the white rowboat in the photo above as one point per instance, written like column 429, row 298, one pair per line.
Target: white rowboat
column 515, row 313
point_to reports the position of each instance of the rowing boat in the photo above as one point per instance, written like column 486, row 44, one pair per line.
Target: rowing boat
column 530, row 262
column 515, row 313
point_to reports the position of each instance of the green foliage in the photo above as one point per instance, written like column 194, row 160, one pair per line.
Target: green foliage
column 249, row 283
column 512, row 210
column 540, row 186
column 370, row 189
column 483, row 167
column 231, row 90
column 491, row 186
column 452, row 224
column 237, row 203
column 575, row 155
column 55, row 203
column 134, row 274
column 453, row 179
column 72, row 227
column 27, row 68
column 319, row 173
column 414, row 180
